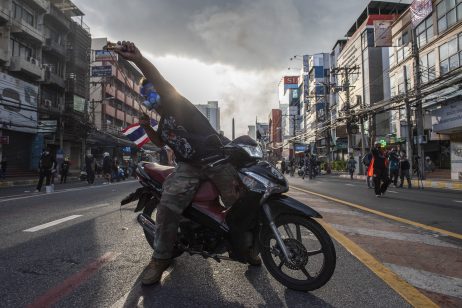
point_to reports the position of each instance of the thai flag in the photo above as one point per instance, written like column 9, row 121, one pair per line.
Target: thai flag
column 137, row 134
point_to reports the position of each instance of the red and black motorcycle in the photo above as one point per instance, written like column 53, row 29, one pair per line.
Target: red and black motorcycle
column 295, row 249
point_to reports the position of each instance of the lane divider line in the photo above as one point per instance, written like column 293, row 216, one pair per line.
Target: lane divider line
column 63, row 289
column 52, row 223
column 392, row 217
column 404, row 289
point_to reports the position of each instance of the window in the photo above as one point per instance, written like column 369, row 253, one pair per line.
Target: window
column 448, row 13
column 450, row 55
column 392, row 56
column 428, row 67
column 424, row 32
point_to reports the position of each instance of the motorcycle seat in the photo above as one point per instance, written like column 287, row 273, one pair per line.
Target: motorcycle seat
column 158, row 172
column 206, row 192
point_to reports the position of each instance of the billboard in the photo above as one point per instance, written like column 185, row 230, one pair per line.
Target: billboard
column 382, row 33
column 101, row 71
column 79, row 103
column 18, row 104
column 104, row 55
column 289, row 80
column 420, row 9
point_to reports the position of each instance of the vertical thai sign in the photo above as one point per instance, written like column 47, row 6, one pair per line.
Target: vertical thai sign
column 420, row 9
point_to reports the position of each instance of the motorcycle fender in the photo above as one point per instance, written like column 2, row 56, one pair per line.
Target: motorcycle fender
column 284, row 204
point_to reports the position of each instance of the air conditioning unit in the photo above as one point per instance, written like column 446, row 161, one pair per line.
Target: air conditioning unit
column 34, row 61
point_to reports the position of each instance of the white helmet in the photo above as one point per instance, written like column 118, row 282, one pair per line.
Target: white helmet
column 105, row 154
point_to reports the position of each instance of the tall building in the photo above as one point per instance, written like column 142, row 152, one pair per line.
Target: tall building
column 275, row 133
column 115, row 99
column 44, row 63
column 360, row 71
column 432, row 73
column 289, row 104
column 212, row 112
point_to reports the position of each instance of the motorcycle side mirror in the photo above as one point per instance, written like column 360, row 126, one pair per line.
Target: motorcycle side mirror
column 213, row 141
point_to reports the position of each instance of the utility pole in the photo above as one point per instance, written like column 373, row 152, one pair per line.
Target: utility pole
column 418, row 108
column 409, row 143
column 346, row 87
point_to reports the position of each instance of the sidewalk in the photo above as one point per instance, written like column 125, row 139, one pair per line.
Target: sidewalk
column 431, row 183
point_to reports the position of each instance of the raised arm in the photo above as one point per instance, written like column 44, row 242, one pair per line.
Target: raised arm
column 129, row 51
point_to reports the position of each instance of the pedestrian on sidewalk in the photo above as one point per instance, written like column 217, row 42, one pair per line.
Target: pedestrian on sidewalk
column 404, row 167
column 3, row 166
column 47, row 163
column 378, row 169
column 393, row 166
column 65, row 169
column 366, row 162
column 351, row 165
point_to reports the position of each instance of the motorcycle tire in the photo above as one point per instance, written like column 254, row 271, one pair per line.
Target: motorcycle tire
column 276, row 268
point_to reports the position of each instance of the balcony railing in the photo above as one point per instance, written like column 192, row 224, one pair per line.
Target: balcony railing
column 23, row 29
column 109, row 110
column 120, row 95
column 29, row 66
column 54, row 46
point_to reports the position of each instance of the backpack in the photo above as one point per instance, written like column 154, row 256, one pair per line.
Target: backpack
column 367, row 159
column 46, row 162
column 394, row 164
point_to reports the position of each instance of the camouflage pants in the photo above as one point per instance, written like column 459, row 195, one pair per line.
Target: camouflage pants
column 178, row 192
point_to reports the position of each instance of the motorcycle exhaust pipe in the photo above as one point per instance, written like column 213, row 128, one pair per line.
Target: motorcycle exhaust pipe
column 147, row 224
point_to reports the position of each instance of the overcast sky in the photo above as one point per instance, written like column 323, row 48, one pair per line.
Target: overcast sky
column 233, row 51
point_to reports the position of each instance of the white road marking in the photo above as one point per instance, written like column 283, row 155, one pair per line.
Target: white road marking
column 51, row 223
column 432, row 282
column 92, row 207
column 350, row 184
column 8, row 198
column 392, row 191
column 401, row 236
column 458, row 201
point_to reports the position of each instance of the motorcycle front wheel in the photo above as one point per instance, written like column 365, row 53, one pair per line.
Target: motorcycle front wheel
column 311, row 253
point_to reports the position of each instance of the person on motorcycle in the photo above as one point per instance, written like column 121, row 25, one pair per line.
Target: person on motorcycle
column 186, row 131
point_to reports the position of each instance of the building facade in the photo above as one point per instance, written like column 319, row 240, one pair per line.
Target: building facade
column 212, row 111
column 115, row 101
column 425, row 67
column 38, row 58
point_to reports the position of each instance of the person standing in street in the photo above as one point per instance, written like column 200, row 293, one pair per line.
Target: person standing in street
column 404, row 167
column 46, row 165
column 351, row 165
column 65, row 169
column 393, row 166
column 90, row 168
column 283, row 165
column 107, row 167
column 3, row 166
column 378, row 169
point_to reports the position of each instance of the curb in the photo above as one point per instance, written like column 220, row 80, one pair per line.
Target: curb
column 426, row 183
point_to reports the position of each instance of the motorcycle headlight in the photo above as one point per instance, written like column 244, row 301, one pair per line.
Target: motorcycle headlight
column 253, row 151
column 260, row 184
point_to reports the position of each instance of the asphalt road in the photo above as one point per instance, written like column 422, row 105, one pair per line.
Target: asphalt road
column 433, row 207
column 94, row 257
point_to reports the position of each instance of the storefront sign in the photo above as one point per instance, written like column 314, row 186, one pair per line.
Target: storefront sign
column 448, row 118
column 101, row 71
column 18, row 104
column 104, row 55
column 47, row 126
column 79, row 103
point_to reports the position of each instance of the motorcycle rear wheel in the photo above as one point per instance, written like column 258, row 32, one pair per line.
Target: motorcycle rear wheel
column 307, row 242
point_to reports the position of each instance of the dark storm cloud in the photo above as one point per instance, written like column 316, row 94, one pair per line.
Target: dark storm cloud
column 254, row 34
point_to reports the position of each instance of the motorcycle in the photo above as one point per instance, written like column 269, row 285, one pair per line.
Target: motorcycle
column 294, row 247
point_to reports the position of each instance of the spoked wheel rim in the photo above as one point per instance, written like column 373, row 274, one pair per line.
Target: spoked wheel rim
column 311, row 254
